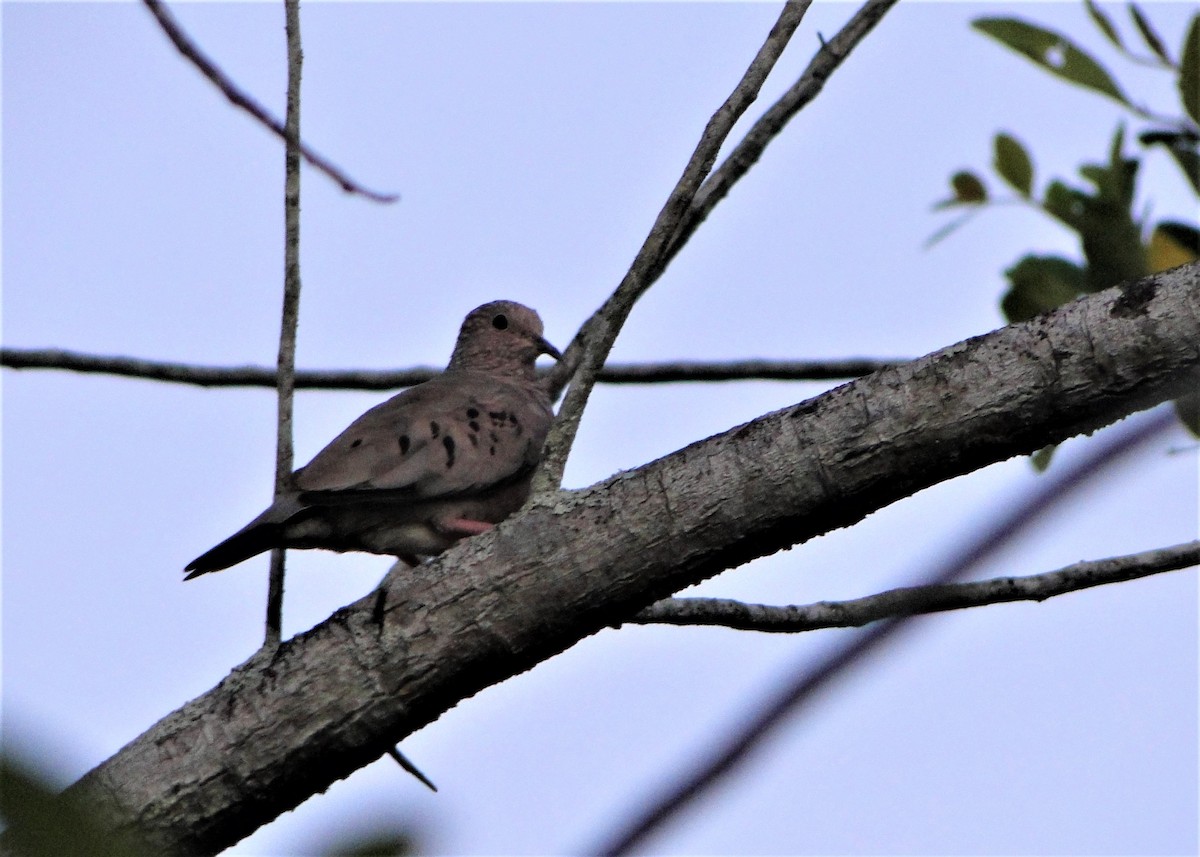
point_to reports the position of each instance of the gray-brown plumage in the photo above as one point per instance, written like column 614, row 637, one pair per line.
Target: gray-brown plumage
column 441, row 461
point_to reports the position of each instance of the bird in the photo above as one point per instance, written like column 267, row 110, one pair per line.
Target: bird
column 441, row 461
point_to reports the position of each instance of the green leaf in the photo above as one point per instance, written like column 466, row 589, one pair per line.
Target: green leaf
column 968, row 187
column 384, row 844
column 1104, row 219
column 1094, row 173
column 1012, row 162
column 944, row 232
column 41, row 822
column 1189, row 70
column 1189, row 162
column 1106, row 26
column 1148, row 35
column 1041, row 459
column 1110, row 234
column 1169, row 137
column 1116, row 149
column 1187, row 408
column 1183, row 234
column 1183, row 146
column 1064, row 203
column 1053, row 52
column 1172, row 244
column 1041, row 283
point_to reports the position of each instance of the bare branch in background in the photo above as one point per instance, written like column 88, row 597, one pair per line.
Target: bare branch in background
column 913, row 600
column 390, row 379
column 290, row 315
column 209, row 69
column 599, row 332
column 711, row 191
column 659, row 811
column 743, row 370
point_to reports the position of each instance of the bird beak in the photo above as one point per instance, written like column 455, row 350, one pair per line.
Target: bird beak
column 545, row 347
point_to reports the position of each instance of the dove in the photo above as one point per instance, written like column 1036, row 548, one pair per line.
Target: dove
column 441, row 461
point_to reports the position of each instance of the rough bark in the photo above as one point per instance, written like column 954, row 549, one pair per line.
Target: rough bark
column 333, row 699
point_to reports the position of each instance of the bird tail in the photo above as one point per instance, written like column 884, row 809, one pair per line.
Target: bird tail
column 261, row 534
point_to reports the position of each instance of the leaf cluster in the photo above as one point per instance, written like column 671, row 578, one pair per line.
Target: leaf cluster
column 1115, row 243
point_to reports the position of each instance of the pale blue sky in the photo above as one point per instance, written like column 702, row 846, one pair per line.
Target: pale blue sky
column 533, row 145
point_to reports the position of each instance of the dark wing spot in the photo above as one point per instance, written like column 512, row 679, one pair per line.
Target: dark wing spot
column 405, row 443
column 512, row 418
column 474, row 425
column 474, row 438
column 498, row 416
column 448, row 442
column 492, row 436
column 472, row 413
column 492, row 451
column 357, row 442
column 434, row 429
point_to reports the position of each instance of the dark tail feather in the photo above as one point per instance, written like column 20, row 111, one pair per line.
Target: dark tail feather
column 240, row 546
column 261, row 534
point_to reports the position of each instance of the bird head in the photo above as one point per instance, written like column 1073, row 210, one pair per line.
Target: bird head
column 502, row 336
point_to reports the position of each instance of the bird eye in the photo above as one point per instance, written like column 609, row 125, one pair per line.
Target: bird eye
column 500, row 322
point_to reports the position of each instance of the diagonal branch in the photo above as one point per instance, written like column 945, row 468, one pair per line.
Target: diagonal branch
column 746, row 154
column 389, row 379
column 599, row 332
column 717, row 186
column 913, row 600
column 191, row 51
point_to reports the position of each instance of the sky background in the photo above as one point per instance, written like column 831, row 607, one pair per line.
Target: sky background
column 533, row 145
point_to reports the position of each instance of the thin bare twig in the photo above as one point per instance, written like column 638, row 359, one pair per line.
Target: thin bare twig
column 595, row 339
column 746, row 154
column 664, row 372
column 660, row 810
column 912, row 600
column 222, row 81
column 290, row 315
column 717, row 186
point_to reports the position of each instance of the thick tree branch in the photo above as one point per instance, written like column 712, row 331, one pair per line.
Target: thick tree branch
column 391, row 379
column 591, row 346
column 336, row 697
column 191, row 51
column 913, row 600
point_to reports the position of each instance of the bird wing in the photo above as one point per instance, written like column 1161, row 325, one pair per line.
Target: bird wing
column 459, row 433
